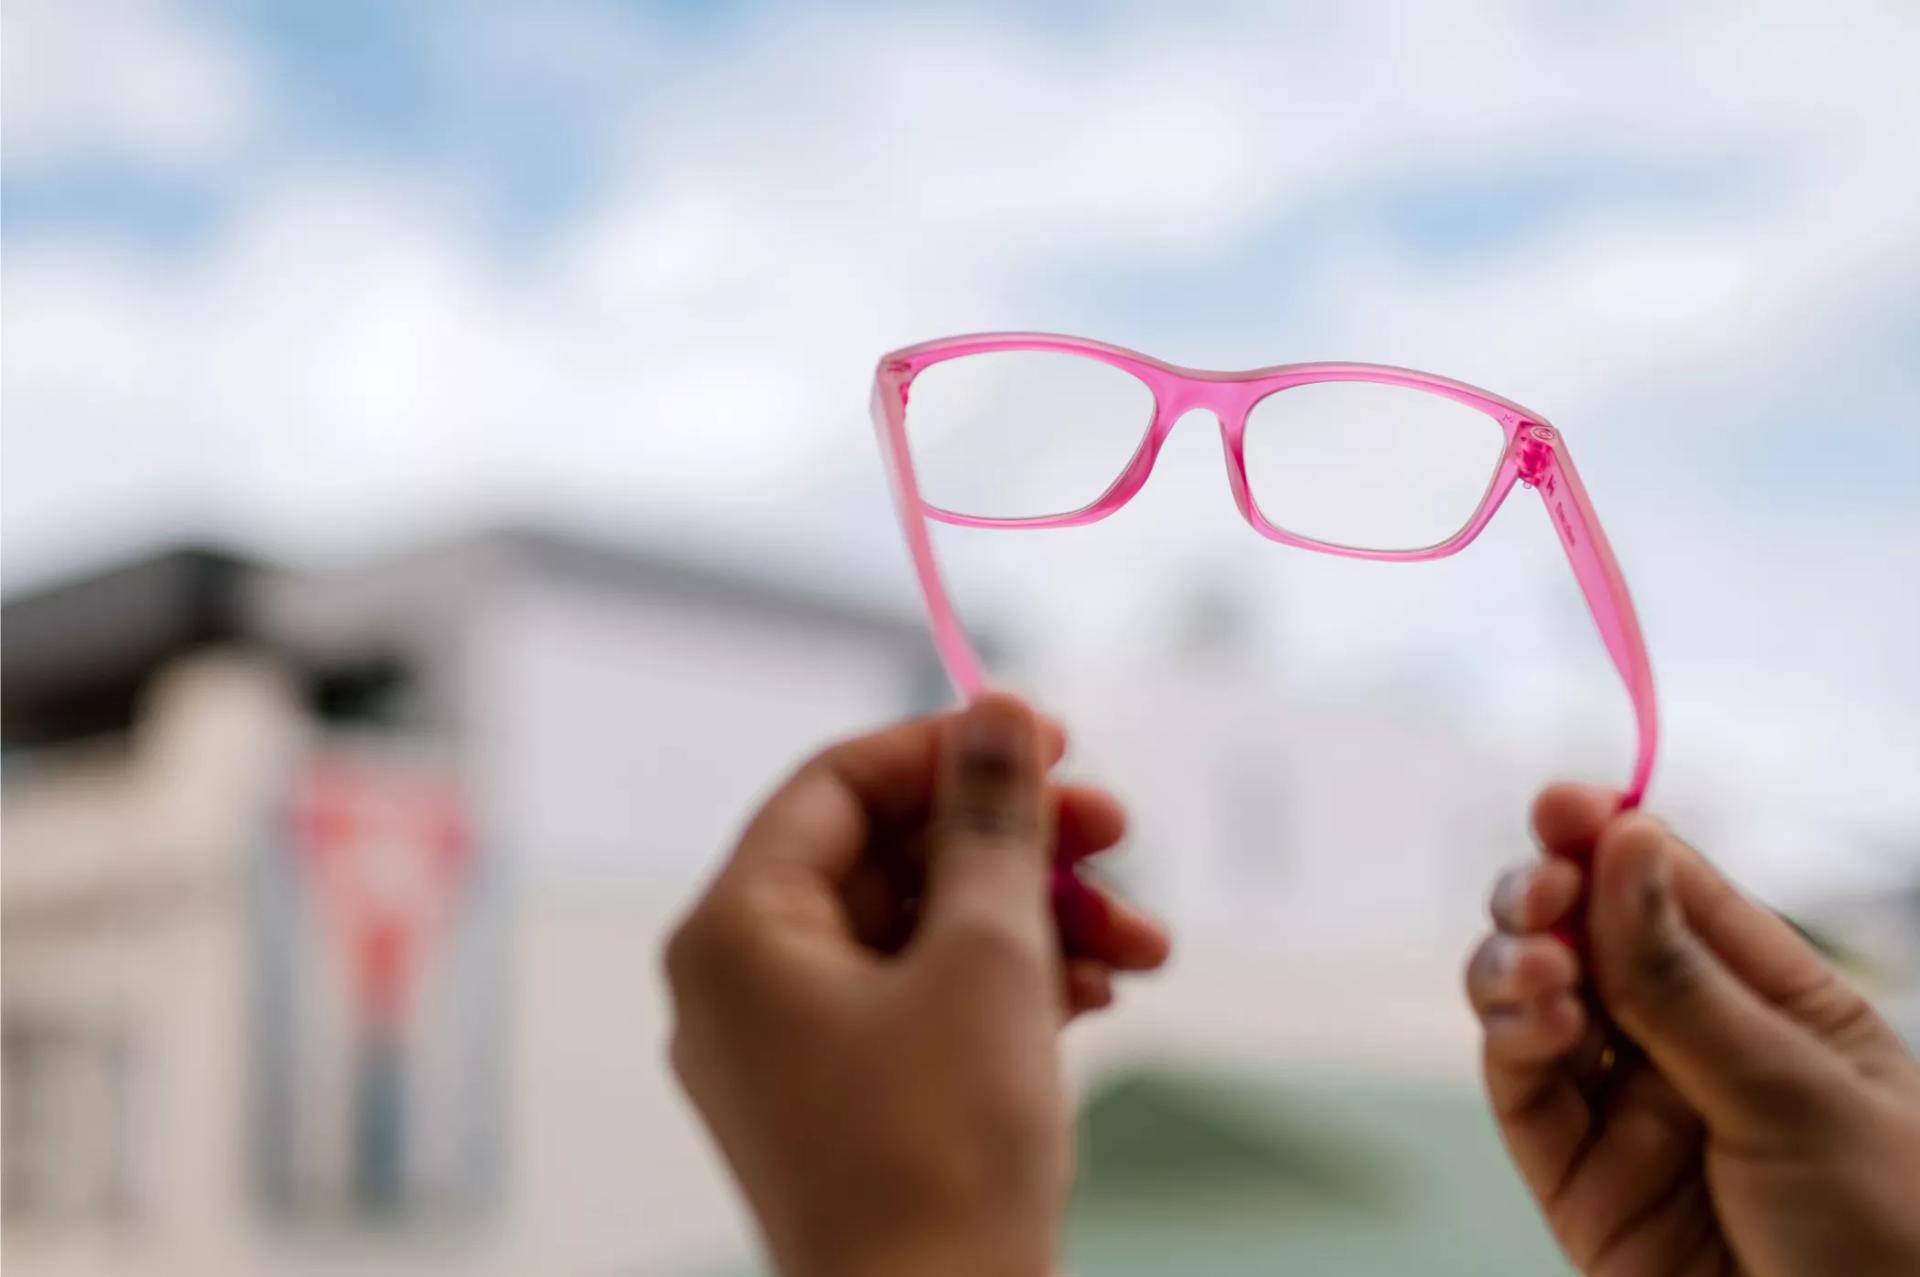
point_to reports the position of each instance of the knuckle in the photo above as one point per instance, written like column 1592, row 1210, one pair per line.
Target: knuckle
column 991, row 804
column 993, row 817
column 1636, row 833
column 701, row 949
column 1662, row 971
column 680, row 956
column 988, row 938
column 1836, row 1011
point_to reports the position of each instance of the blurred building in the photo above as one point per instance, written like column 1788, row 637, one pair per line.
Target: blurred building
column 331, row 899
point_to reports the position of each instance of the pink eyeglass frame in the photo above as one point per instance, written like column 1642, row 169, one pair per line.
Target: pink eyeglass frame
column 1535, row 454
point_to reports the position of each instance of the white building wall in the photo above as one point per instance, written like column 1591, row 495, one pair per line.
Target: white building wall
column 620, row 743
column 624, row 738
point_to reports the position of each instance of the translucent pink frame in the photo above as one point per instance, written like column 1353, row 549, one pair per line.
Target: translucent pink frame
column 1535, row 455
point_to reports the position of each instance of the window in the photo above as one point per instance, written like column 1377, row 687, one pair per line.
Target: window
column 66, row 1142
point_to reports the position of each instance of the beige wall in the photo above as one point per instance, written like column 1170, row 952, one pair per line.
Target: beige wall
column 159, row 975
column 121, row 925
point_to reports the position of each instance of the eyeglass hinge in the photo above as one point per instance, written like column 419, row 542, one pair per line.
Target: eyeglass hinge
column 1533, row 448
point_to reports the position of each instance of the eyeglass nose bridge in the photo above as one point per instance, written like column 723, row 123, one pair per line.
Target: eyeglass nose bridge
column 1227, row 400
column 1228, row 403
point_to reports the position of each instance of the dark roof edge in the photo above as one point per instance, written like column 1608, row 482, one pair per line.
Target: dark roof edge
column 602, row 560
column 622, row 566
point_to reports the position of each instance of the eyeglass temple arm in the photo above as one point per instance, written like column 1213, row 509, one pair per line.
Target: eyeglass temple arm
column 949, row 637
column 1546, row 466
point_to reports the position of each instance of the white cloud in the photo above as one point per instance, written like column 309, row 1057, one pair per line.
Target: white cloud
column 125, row 81
column 835, row 183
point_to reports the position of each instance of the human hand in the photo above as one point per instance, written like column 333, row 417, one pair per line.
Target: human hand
column 869, row 994
column 1699, row 1092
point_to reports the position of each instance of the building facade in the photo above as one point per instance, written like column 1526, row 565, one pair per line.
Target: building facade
column 331, row 900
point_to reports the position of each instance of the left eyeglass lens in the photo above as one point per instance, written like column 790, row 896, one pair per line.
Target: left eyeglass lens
column 1370, row 466
column 1023, row 434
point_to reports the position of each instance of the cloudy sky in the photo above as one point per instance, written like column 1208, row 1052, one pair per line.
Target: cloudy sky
column 321, row 277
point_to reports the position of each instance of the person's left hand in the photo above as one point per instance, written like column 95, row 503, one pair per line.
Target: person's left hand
column 869, row 995
column 1692, row 1088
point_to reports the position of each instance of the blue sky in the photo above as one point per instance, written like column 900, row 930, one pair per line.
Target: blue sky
column 325, row 276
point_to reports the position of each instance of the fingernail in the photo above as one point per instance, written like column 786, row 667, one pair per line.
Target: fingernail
column 994, row 747
column 1506, row 955
column 1510, row 894
column 1495, row 960
column 995, row 735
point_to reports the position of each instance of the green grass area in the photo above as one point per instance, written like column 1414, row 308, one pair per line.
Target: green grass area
column 1199, row 1173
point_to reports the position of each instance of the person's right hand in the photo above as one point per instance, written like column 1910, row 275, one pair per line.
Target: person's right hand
column 867, row 999
column 1701, row 1092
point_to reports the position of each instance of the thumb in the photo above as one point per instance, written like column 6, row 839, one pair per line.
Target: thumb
column 989, row 867
column 1744, row 1066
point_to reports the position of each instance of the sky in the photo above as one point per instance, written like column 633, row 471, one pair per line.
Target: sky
column 320, row 278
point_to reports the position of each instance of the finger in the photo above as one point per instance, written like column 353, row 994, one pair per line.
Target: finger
column 1542, row 1114
column 893, row 771
column 1508, row 971
column 1569, row 817
column 882, row 891
column 1534, row 896
column 823, row 817
column 1764, row 951
column 1536, row 1054
column 1749, row 1071
column 1644, row 1159
column 989, row 837
column 1088, row 987
column 1087, row 821
column 1095, row 923
column 1534, row 1033
column 1543, row 1118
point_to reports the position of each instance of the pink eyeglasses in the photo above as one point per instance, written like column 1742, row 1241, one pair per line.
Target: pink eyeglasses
column 1031, row 430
